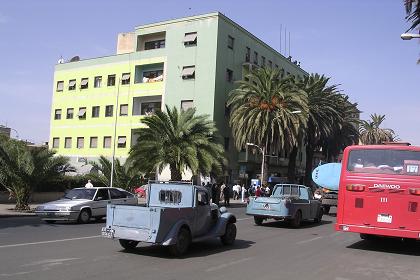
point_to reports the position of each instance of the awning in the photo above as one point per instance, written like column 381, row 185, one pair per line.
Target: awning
column 190, row 37
column 122, row 140
column 60, row 86
column 72, row 83
column 188, row 71
column 82, row 112
column 125, row 76
column 84, row 82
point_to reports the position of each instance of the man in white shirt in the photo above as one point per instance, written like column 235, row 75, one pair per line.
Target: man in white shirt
column 88, row 184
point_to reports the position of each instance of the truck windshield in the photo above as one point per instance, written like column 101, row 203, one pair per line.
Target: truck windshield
column 381, row 161
column 81, row 194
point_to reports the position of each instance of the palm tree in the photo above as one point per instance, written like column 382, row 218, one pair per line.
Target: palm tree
column 262, row 111
column 181, row 140
column 371, row 133
column 323, row 112
column 22, row 169
column 412, row 9
column 125, row 176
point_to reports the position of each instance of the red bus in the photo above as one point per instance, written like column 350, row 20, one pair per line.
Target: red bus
column 379, row 191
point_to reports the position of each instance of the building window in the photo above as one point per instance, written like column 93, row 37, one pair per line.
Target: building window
column 109, row 109
column 226, row 143
column 95, row 112
column 122, row 141
column 57, row 114
column 152, row 76
column 60, row 85
column 270, row 64
column 72, row 84
column 231, row 42
column 256, row 58
column 98, row 82
column 70, row 112
column 188, row 72
column 67, row 142
column 186, row 104
column 125, row 79
column 190, row 39
column 80, row 142
column 248, row 54
column 124, row 110
column 149, row 108
column 107, row 142
column 82, row 113
column 84, row 83
column 111, row 80
column 262, row 60
column 93, row 142
column 56, row 143
column 229, row 75
column 158, row 44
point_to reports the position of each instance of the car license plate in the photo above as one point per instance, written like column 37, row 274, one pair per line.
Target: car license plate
column 108, row 232
column 384, row 218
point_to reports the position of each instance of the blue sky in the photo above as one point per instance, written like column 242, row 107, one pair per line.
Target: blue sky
column 356, row 43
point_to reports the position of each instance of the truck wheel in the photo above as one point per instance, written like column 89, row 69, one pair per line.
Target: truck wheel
column 182, row 243
column 84, row 216
column 318, row 219
column 258, row 220
column 326, row 209
column 297, row 219
column 230, row 234
column 128, row 244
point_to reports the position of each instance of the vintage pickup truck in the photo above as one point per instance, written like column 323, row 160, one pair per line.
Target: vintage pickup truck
column 175, row 215
column 288, row 202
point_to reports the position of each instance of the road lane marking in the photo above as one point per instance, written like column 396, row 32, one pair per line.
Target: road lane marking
column 227, row 264
column 49, row 261
column 49, row 241
column 309, row 240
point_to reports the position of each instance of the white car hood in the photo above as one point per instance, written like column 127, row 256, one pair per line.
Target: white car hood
column 64, row 203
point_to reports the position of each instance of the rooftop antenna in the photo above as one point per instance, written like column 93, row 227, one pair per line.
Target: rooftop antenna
column 289, row 43
column 281, row 26
column 285, row 41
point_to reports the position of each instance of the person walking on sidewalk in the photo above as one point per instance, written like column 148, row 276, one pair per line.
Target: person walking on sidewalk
column 243, row 191
column 89, row 184
column 226, row 195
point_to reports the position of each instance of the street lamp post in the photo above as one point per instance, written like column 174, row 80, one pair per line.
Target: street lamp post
column 115, row 134
column 263, row 159
column 409, row 36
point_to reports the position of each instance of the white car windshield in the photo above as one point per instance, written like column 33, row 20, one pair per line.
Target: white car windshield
column 81, row 194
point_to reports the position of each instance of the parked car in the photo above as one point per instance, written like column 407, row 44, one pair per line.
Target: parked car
column 288, row 202
column 82, row 204
column 175, row 215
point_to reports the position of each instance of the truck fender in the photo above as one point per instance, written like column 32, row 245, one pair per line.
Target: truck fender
column 222, row 222
column 171, row 237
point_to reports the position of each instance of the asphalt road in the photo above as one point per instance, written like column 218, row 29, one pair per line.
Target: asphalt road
column 31, row 249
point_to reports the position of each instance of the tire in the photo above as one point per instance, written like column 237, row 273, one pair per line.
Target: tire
column 230, row 234
column 98, row 219
column 182, row 243
column 50, row 221
column 318, row 219
column 326, row 209
column 128, row 244
column 258, row 220
column 297, row 220
column 84, row 216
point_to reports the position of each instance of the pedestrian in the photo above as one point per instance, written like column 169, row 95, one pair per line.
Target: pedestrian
column 209, row 189
column 243, row 191
column 226, row 195
column 89, row 184
column 222, row 193
column 258, row 192
column 267, row 191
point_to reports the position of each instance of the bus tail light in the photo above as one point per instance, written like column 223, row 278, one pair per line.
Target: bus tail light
column 355, row 188
column 414, row 191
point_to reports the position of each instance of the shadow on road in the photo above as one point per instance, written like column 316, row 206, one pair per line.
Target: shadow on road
column 15, row 222
column 285, row 224
column 199, row 249
column 389, row 245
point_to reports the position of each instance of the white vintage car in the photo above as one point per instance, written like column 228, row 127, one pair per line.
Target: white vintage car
column 82, row 204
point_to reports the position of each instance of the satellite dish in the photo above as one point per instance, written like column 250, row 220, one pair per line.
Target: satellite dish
column 75, row 58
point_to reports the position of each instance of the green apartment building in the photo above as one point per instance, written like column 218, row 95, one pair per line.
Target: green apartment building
column 187, row 62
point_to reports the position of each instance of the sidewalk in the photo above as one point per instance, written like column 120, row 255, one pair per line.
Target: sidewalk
column 6, row 211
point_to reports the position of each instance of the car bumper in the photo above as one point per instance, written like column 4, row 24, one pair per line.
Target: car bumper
column 58, row 215
column 329, row 201
column 378, row 231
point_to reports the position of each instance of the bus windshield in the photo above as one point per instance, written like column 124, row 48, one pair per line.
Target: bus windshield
column 382, row 161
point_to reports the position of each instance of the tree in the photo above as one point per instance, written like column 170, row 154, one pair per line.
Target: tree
column 412, row 9
column 371, row 133
column 125, row 176
column 262, row 111
column 22, row 169
column 179, row 139
column 323, row 112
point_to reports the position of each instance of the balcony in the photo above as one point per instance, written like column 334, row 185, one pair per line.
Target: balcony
column 149, row 73
column 146, row 105
column 151, row 41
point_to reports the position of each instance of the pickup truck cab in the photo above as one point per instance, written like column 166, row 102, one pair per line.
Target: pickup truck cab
column 288, row 202
column 175, row 215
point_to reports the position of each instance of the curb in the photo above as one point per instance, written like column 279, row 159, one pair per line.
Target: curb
column 16, row 215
